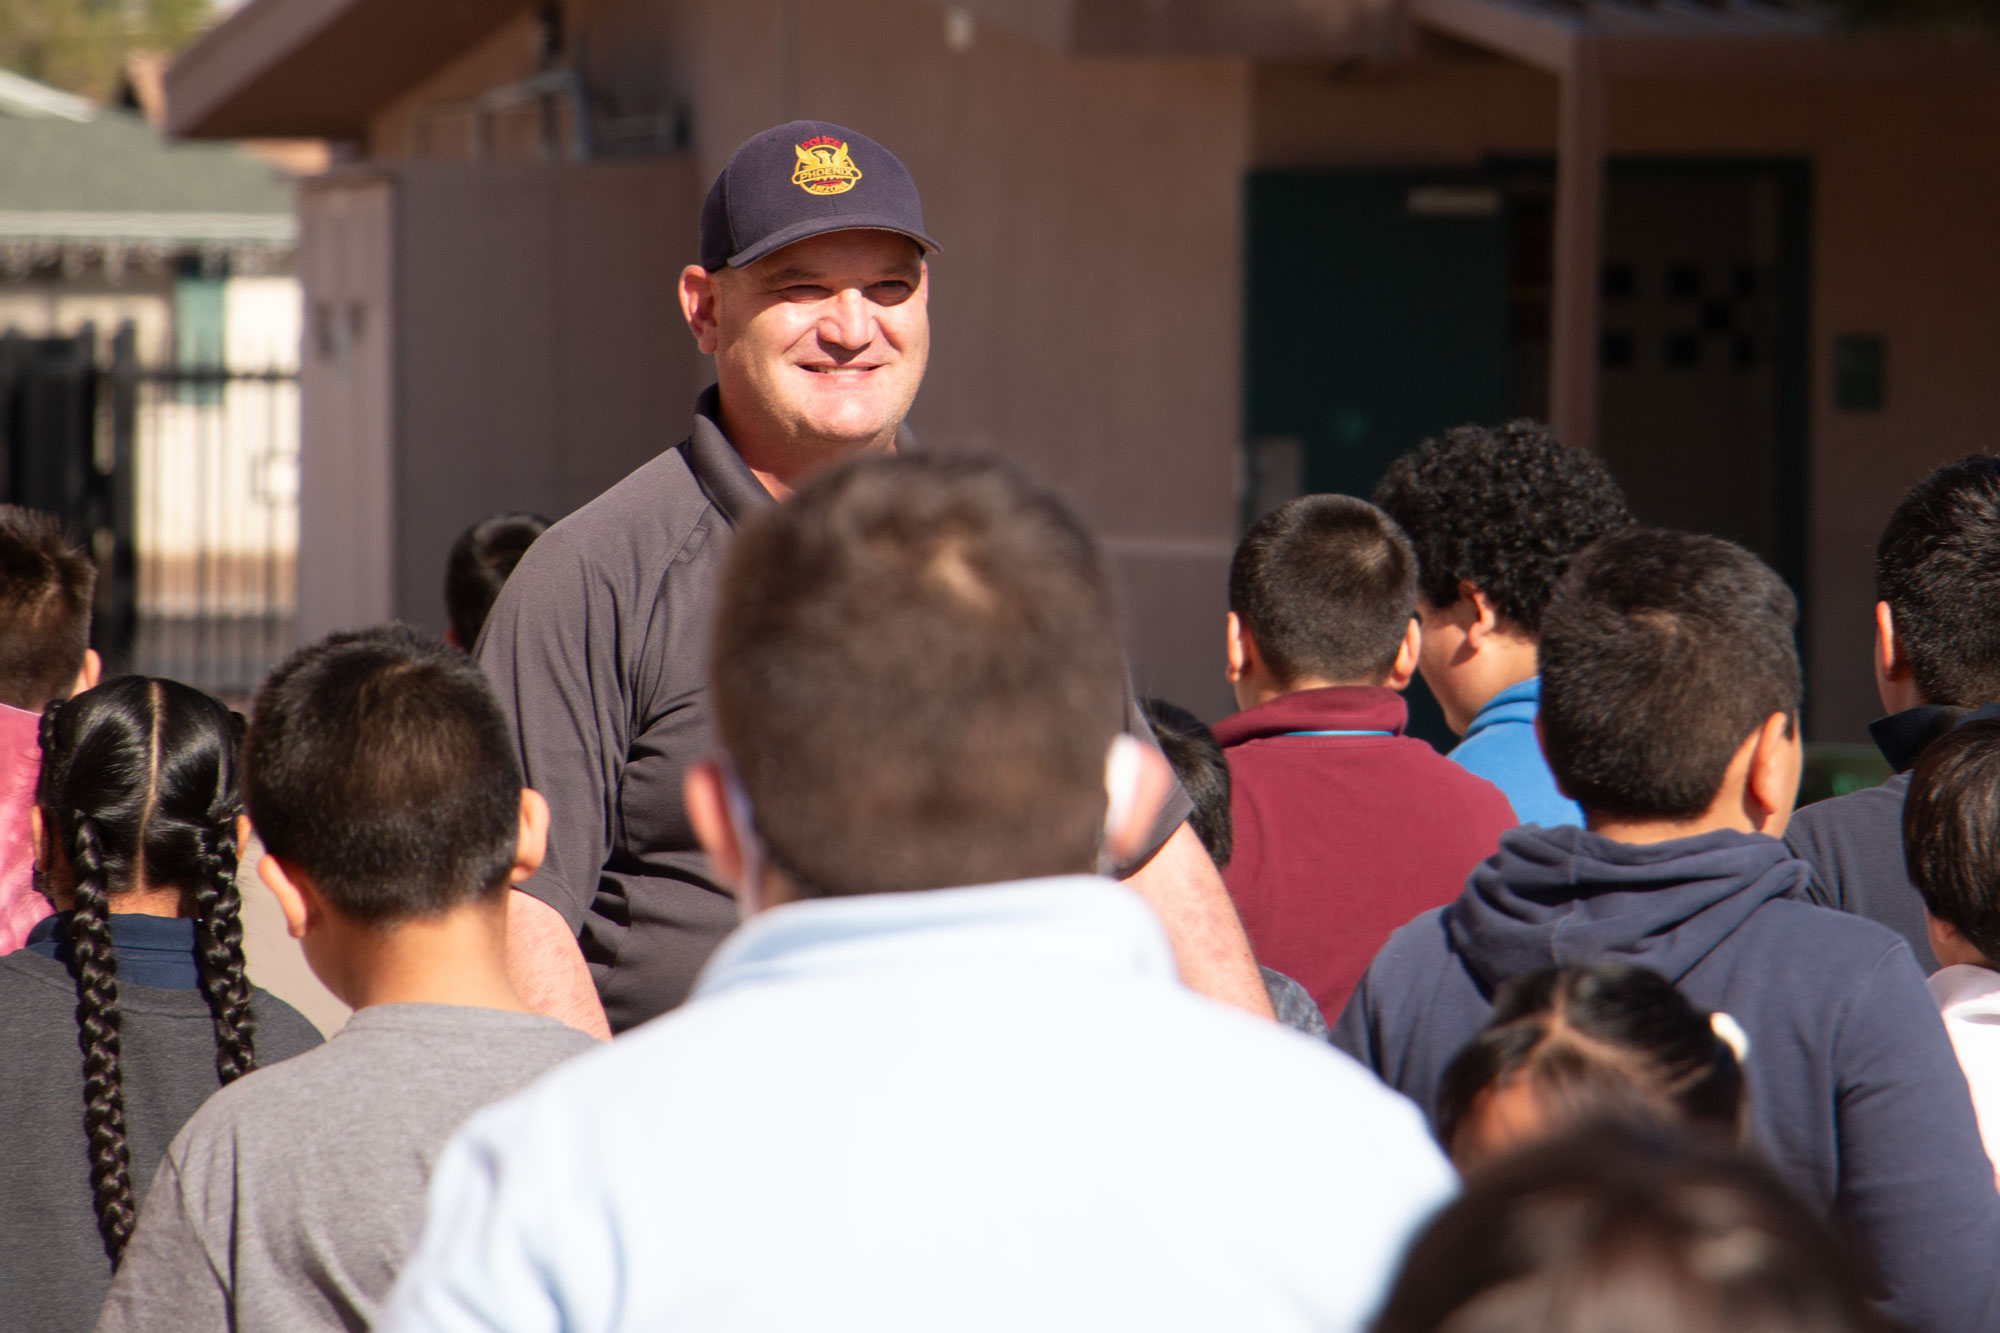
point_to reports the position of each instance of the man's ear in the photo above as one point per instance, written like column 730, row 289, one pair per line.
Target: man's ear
column 1771, row 783
column 1153, row 779
column 706, row 794
column 35, row 834
column 1242, row 650
column 297, row 899
column 1407, row 656
column 89, row 673
column 532, row 844
column 697, row 291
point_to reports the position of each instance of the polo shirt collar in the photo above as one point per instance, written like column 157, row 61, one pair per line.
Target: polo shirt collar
column 1901, row 737
column 1334, row 713
column 720, row 471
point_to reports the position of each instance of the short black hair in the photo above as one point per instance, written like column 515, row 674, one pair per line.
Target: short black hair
column 1503, row 508
column 1197, row 760
column 1326, row 585
column 1938, row 568
column 479, row 565
column 1951, row 832
column 1609, row 1041
column 1609, row 1220
column 917, row 672
column 1661, row 652
column 378, row 762
column 45, row 590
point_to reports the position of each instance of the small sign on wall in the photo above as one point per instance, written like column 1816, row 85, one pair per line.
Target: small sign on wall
column 1860, row 372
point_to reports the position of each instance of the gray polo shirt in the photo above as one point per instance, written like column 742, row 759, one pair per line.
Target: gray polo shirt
column 597, row 648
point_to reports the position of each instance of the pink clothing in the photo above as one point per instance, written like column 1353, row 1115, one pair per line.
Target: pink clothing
column 20, row 765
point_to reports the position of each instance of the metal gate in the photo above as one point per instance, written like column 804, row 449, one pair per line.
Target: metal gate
column 182, row 481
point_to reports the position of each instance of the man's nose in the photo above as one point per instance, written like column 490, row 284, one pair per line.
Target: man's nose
column 847, row 320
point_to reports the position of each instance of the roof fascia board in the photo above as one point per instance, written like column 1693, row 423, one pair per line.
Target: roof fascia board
column 235, row 51
column 1538, row 42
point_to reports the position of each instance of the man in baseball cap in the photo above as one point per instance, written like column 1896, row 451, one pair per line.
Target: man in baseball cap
column 812, row 294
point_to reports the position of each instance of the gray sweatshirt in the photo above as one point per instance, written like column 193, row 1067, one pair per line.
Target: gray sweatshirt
column 53, row 1269
column 288, row 1202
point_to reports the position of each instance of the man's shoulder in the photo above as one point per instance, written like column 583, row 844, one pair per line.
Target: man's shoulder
column 644, row 519
column 1873, row 815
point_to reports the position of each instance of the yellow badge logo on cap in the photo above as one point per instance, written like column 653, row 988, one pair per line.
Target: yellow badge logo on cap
column 824, row 167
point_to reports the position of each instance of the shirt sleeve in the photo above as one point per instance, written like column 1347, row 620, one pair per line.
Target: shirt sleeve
column 169, row 1278
column 550, row 649
column 1915, row 1183
column 1174, row 810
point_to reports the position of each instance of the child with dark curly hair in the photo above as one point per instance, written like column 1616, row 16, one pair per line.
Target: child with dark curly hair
column 130, row 1006
column 1496, row 514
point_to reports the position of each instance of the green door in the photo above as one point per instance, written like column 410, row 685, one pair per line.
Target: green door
column 1377, row 315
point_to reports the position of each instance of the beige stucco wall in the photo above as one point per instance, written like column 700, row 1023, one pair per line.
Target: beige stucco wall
column 1085, row 308
column 1905, row 206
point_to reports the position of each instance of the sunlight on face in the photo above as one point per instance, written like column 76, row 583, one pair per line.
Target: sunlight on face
column 826, row 340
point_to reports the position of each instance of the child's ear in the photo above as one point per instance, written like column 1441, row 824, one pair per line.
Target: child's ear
column 532, row 843
column 89, row 674
column 296, row 897
column 1405, row 665
column 1771, row 783
column 1479, row 616
column 1242, row 653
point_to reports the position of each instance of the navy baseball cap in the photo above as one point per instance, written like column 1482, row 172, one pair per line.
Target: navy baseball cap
column 799, row 180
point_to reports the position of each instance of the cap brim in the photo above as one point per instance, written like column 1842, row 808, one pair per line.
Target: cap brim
column 799, row 231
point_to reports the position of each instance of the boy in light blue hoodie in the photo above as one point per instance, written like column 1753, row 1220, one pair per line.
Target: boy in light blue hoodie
column 1669, row 712
column 1495, row 516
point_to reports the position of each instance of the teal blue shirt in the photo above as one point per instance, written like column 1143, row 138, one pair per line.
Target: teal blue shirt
column 1500, row 746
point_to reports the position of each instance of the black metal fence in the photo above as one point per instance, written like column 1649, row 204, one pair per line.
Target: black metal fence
column 183, row 480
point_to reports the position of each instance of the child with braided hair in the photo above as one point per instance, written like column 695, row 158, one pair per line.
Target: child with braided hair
column 130, row 1006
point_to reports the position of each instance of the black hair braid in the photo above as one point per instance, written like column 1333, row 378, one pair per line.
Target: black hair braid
column 95, row 968
column 219, row 951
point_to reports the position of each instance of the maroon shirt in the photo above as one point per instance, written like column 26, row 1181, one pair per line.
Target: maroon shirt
column 1338, row 840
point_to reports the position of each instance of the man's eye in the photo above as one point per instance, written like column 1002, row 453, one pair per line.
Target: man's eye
column 805, row 292
column 889, row 293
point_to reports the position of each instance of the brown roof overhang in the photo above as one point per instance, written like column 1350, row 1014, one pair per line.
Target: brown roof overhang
column 317, row 69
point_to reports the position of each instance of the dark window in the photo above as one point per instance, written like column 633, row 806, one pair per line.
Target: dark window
column 1683, row 350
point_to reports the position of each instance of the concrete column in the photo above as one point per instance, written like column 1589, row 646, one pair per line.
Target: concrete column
column 1579, row 248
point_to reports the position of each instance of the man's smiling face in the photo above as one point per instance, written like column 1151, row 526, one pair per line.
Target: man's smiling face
column 823, row 343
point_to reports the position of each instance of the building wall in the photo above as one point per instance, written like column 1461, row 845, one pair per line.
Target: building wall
column 1086, row 305
column 1906, row 201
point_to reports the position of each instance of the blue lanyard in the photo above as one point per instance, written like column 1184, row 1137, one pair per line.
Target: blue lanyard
column 1340, row 733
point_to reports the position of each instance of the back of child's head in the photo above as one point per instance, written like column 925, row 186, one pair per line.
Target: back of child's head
column 1938, row 568
column 1618, row 1231
column 1504, row 508
column 1661, row 652
column 1198, row 762
column 1567, row 1046
column 1326, row 586
column 918, row 676
column 479, row 565
column 378, row 764
column 45, row 590
column 1951, row 832
column 139, row 789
